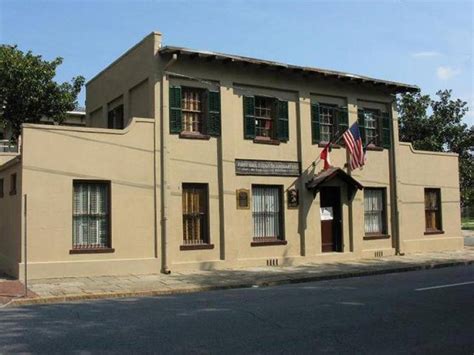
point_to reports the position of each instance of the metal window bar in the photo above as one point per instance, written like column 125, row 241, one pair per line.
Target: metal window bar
column 194, row 216
column 373, row 211
column 266, row 212
column 90, row 216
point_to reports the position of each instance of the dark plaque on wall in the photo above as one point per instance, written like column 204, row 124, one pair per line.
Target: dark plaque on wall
column 267, row 167
column 243, row 199
column 292, row 198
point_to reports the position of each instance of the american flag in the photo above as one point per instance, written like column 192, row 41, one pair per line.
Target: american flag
column 354, row 144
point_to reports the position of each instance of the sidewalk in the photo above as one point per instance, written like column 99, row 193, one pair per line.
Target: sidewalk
column 83, row 288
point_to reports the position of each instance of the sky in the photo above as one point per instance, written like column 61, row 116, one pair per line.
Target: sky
column 426, row 43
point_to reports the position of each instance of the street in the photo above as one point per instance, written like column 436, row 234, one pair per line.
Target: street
column 414, row 312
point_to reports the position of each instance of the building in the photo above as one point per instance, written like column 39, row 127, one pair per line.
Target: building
column 73, row 118
column 200, row 160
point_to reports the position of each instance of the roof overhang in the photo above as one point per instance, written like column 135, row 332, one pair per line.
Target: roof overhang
column 392, row 86
column 327, row 175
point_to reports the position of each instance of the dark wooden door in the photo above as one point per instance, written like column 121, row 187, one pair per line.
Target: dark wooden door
column 331, row 221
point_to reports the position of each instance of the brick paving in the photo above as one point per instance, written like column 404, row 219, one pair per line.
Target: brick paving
column 80, row 288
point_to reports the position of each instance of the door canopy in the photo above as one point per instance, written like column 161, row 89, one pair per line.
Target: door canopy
column 327, row 175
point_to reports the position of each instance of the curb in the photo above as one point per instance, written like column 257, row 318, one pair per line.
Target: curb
column 193, row 289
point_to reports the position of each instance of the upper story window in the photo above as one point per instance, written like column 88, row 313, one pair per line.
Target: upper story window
column 328, row 122
column 115, row 118
column 265, row 119
column 374, row 127
column 194, row 112
column 192, row 109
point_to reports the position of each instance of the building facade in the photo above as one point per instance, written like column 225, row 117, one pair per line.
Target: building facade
column 196, row 160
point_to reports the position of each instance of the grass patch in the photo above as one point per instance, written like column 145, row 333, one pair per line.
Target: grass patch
column 467, row 223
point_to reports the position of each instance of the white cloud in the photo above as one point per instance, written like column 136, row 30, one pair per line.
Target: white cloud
column 447, row 72
column 425, row 54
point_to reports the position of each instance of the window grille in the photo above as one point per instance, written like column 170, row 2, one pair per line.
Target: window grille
column 432, row 210
column 91, row 215
column 266, row 212
column 192, row 108
column 195, row 214
column 374, row 213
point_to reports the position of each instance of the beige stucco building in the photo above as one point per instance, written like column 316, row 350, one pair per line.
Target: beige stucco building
column 199, row 160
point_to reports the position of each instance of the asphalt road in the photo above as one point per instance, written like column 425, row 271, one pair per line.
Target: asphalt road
column 395, row 313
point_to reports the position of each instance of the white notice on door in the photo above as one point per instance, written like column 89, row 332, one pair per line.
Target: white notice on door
column 326, row 214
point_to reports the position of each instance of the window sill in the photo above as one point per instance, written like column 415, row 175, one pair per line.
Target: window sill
column 324, row 144
column 196, row 247
column 429, row 232
column 91, row 251
column 263, row 140
column 376, row 236
column 190, row 135
column 268, row 242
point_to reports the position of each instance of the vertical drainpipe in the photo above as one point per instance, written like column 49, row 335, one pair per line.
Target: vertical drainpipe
column 394, row 183
column 164, row 173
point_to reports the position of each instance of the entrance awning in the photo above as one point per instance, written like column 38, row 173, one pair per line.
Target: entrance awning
column 327, row 175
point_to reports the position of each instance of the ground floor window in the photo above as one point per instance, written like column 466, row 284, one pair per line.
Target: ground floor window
column 91, row 215
column 374, row 211
column 195, row 214
column 267, row 213
column 433, row 210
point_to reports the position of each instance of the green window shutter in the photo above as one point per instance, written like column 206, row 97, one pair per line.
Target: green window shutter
column 361, row 122
column 342, row 121
column 176, row 124
column 249, row 117
column 282, row 124
column 214, row 112
column 386, row 126
column 315, row 125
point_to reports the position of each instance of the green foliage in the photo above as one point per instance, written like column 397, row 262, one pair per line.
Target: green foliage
column 436, row 125
column 28, row 91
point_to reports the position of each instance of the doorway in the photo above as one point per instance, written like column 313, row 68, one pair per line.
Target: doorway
column 331, row 219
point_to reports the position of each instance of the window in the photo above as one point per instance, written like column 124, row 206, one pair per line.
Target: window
column 267, row 213
column 13, row 184
column 433, row 210
column 195, row 214
column 1, row 188
column 91, row 215
column 194, row 112
column 265, row 119
column 375, row 127
column 374, row 211
column 327, row 122
column 192, row 108
column 115, row 118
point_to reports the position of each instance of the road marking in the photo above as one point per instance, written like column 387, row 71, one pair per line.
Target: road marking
column 444, row 286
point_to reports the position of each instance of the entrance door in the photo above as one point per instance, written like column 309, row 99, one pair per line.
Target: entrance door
column 331, row 221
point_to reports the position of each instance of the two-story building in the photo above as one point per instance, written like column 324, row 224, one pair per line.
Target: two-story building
column 198, row 160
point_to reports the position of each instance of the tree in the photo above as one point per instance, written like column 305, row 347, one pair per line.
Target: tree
column 436, row 125
column 28, row 91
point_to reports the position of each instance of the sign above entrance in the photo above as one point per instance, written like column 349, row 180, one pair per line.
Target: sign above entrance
column 267, row 167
